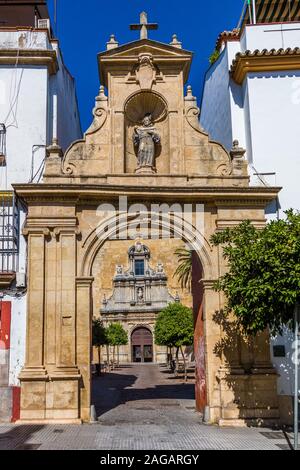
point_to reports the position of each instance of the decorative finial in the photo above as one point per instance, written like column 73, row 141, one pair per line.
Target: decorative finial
column 175, row 42
column 237, row 153
column 112, row 43
column 189, row 94
column 177, row 298
column 104, row 300
column 101, row 96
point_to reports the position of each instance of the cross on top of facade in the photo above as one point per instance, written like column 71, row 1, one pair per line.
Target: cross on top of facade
column 143, row 26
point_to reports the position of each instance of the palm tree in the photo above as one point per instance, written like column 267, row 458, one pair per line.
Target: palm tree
column 184, row 269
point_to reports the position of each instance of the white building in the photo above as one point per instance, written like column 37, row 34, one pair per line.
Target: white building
column 38, row 106
column 252, row 94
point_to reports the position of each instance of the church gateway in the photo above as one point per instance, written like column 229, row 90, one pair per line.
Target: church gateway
column 145, row 144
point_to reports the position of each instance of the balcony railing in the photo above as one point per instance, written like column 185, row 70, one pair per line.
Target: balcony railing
column 9, row 235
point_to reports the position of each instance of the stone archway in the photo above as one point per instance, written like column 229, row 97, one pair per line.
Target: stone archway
column 93, row 244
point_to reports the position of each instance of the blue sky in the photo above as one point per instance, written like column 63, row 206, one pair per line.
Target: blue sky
column 84, row 28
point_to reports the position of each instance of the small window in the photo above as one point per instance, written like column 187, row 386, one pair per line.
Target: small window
column 139, row 267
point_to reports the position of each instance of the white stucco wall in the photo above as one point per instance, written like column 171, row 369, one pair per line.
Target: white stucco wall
column 68, row 120
column 270, row 36
column 216, row 113
column 24, row 113
column 222, row 113
column 18, row 316
column 274, row 116
column 18, row 338
column 284, row 366
column 26, row 107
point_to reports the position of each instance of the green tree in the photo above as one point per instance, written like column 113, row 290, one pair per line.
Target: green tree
column 214, row 56
column 184, row 269
column 262, row 285
column 175, row 328
column 99, row 339
column 117, row 337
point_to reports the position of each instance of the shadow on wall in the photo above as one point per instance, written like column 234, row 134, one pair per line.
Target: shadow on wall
column 250, row 375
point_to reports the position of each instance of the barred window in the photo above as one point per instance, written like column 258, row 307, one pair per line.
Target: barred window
column 9, row 233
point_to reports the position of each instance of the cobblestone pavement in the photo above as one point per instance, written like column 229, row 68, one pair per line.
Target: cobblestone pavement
column 140, row 407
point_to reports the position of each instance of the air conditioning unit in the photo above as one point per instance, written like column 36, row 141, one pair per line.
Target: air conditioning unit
column 44, row 24
column 20, row 280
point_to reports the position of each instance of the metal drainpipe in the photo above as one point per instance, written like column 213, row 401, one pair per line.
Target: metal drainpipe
column 254, row 11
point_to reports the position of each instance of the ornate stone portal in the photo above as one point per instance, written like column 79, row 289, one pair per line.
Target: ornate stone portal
column 76, row 213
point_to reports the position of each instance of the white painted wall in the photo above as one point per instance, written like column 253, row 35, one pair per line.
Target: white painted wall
column 26, row 97
column 223, row 116
column 24, row 113
column 274, row 114
column 68, row 120
column 216, row 113
column 18, row 338
column 270, row 36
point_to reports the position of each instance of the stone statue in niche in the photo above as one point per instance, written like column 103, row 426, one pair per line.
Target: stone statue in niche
column 146, row 137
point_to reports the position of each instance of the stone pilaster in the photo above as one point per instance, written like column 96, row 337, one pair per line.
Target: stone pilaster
column 84, row 341
column 34, row 376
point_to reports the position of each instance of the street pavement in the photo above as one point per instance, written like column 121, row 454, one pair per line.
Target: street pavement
column 141, row 407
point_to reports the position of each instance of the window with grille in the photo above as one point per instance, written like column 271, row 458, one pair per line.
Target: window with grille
column 9, row 234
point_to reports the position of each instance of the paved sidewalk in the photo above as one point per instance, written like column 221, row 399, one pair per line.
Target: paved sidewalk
column 141, row 407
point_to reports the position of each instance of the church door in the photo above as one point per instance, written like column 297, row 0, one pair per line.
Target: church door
column 142, row 345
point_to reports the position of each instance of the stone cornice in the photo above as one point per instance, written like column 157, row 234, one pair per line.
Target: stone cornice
column 78, row 193
column 264, row 61
column 37, row 57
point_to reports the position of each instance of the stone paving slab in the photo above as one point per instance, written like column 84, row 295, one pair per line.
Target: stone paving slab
column 140, row 408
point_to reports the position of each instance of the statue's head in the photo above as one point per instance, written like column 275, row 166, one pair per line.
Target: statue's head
column 147, row 121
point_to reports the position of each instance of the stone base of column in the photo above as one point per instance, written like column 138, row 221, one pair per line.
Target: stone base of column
column 248, row 399
column 50, row 397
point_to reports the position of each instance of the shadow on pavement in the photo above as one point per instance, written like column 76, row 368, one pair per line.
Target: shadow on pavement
column 17, row 438
column 114, row 389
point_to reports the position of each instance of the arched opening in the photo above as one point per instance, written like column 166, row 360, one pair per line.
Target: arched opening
column 142, row 345
column 102, row 258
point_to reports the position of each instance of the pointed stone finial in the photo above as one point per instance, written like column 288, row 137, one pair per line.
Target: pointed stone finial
column 175, row 42
column 104, row 300
column 112, row 43
column 189, row 94
column 177, row 298
column 239, row 163
column 101, row 96
column 237, row 152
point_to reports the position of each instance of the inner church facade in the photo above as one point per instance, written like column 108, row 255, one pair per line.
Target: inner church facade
column 142, row 284
column 88, row 257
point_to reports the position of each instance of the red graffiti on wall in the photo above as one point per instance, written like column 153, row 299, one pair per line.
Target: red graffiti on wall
column 5, row 319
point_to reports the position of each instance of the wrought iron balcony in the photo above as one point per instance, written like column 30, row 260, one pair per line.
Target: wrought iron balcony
column 9, row 238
